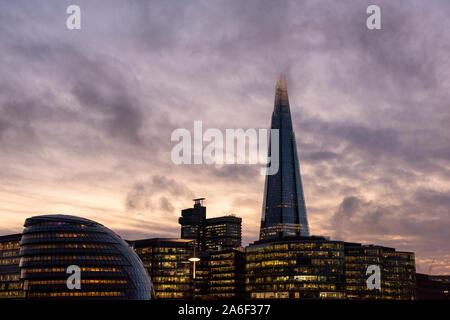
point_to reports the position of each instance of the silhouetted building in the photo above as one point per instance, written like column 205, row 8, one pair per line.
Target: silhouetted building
column 10, row 285
column 223, row 233
column 283, row 210
column 192, row 223
column 300, row 268
column 429, row 287
column 109, row 267
column 167, row 262
column 445, row 284
column 397, row 272
column 210, row 234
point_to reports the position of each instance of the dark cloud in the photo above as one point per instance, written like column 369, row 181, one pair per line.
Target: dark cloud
column 143, row 194
column 319, row 156
column 417, row 223
column 166, row 205
column 96, row 108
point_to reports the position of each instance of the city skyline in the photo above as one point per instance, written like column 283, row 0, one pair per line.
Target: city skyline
column 86, row 116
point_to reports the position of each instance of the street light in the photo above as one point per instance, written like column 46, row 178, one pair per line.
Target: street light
column 194, row 260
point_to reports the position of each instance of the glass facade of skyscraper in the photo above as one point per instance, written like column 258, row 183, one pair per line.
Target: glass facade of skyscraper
column 283, row 210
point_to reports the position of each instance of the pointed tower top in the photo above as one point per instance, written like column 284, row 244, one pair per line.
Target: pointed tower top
column 281, row 95
column 283, row 209
column 281, row 83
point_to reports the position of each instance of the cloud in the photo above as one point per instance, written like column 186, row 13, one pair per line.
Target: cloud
column 91, row 112
column 142, row 195
column 412, row 224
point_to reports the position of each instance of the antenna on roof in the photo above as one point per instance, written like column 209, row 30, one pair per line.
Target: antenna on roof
column 431, row 266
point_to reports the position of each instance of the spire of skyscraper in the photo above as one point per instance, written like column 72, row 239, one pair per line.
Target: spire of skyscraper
column 284, row 211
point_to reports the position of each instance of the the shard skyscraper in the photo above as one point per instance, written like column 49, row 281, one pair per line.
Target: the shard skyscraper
column 284, row 211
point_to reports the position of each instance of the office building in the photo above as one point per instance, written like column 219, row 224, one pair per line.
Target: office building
column 10, row 285
column 221, row 275
column 109, row 268
column 298, row 268
column 167, row 262
column 286, row 262
column 283, row 210
column 397, row 272
column 223, row 233
column 227, row 274
column 202, row 274
column 211, row 234
column 192, row 223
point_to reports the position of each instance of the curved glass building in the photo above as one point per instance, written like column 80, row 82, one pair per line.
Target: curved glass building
column 109, row 268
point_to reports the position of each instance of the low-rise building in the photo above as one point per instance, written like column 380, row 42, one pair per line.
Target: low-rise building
column 10, row 285
column 295, row 268
column 227, row 274
column 167, row 262
column 397, row 268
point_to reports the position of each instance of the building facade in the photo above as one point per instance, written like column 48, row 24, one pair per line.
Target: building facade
column 210, row 234
column 223, row 233
column 10, row 285
column 167, row 262
column 109, row 268
column 202, row 275
column 192, row 223
column 227, row 274
column 283, row 209
column 302, row 268
column 397, row 272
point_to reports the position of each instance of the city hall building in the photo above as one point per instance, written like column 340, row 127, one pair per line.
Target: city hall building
column 109, row 268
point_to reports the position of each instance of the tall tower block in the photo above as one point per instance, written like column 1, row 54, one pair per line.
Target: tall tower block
column 284, row 211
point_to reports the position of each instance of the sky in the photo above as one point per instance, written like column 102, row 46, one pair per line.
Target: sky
column 86, row 116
